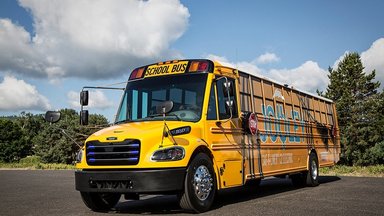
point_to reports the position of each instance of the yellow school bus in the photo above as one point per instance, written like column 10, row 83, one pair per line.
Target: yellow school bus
column 194, row 127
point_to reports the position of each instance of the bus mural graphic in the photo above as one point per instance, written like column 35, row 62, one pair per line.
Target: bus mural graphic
column 278, row 126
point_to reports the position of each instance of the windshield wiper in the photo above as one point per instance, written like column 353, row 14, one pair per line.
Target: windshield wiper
column 158, row 115
column 123, row 121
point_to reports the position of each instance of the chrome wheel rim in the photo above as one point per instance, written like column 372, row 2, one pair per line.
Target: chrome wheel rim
column 202, row 182
column 314, row 169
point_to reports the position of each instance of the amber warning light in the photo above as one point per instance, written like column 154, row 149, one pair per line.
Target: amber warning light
column 137, row 74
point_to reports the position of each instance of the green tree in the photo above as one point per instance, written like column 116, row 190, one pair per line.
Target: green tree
column 13, row 144
column 359, row 107
column 31, row 125
column 53, row 146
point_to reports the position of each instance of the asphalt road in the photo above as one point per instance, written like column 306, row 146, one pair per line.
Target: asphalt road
column 36, row 192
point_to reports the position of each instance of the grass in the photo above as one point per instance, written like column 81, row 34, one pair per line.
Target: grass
column 360, row 171
column 38, row 166
column 34, row 163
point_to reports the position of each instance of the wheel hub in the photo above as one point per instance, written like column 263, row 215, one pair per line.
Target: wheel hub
column 314, row 170
column 202, row 182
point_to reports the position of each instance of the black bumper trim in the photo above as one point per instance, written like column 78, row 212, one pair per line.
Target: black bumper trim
column 131, row 181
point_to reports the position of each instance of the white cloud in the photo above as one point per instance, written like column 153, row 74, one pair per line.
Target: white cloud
column 17, row 95
column 267, row 58
column 373, row 59
column 17, row 54
column 248, row 67
column 308, row 76
column 88, row 38
column 97, row 100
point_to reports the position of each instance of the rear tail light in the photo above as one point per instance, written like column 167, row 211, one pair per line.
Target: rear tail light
column 334, row 131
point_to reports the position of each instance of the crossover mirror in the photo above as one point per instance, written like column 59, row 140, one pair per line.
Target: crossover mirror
column 52, row 116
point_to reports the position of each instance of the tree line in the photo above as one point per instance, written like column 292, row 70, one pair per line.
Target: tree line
column 29, row 134
column 359, row 103
column 360, row 109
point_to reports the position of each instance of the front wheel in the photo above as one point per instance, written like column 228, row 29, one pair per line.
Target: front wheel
column 199, row 185
column 100, row 202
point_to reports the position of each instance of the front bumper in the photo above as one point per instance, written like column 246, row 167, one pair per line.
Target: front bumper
column 130, row 181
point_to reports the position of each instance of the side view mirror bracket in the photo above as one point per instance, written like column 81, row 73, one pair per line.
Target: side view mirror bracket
column 228, row 90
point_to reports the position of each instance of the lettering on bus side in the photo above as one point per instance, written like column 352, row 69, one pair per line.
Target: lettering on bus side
column 278, row 127
column 277, row 159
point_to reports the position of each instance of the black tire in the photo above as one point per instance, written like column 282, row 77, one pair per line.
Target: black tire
column 199, row 185
column 312, row 178
column 100, row 202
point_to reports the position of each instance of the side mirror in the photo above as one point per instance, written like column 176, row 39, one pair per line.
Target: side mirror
column 84, row 96
column 84, row 117
column 227, row 88
column 164, row 107
column 229, row 107
column 52, row 116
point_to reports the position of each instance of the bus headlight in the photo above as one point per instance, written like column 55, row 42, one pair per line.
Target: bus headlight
column 169, row 154
column 79, row 156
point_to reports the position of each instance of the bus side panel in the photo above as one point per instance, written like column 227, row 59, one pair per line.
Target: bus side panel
column 291, row 124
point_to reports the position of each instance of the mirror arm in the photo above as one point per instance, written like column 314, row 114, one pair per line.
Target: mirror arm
column 73, row 140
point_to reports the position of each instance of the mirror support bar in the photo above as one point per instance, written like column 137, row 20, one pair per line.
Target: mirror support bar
column 229, row 102
column 84, row 96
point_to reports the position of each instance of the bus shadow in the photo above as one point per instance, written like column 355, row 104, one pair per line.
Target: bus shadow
column 168, row 204
column 267, row 187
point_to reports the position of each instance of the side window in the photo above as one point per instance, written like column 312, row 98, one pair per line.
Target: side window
column 123, row 112
column 211, row 115
column 225, row 102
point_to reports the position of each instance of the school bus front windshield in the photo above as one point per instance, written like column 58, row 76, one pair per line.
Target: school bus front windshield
column 141, row 97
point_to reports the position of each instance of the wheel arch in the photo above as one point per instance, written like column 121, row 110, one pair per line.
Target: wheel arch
column 204, row 149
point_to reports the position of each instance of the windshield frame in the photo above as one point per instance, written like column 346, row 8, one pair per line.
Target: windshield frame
column 181, row 81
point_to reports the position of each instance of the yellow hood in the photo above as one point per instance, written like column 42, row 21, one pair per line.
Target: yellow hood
column 135, row 130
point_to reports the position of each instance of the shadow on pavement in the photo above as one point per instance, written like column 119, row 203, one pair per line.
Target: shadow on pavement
column 328, row 179
column 168, row 204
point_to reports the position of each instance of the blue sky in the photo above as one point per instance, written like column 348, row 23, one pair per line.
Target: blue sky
column 50, row 49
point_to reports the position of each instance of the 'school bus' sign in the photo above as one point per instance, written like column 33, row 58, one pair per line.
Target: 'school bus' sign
column 166, row 69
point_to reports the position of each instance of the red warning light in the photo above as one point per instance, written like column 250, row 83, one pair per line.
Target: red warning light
column 198, row 66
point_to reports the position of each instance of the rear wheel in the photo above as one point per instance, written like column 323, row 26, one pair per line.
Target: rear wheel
column 199, row 185
column 309, row 177
column 100, row 202
column 313, row 172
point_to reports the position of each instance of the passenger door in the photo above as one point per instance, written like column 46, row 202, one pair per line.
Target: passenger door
column 224, row 132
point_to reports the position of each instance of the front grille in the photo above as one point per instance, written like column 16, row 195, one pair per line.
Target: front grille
column 113, row 153
column 104, row 184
